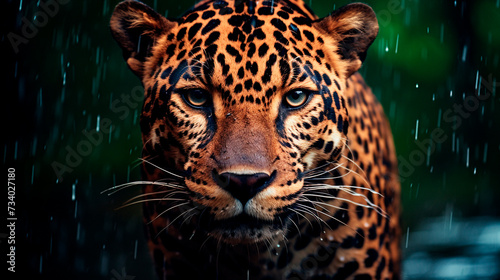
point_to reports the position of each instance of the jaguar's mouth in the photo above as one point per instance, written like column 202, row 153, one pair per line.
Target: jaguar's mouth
column 243, row 229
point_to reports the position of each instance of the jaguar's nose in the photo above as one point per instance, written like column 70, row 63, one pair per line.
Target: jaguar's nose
column 243, row 186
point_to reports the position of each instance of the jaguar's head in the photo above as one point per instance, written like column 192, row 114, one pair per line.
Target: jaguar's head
column 242, row 100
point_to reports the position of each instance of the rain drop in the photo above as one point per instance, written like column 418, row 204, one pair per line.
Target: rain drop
column 78, row 231
column 408, row 17
column 76, row 209
column 32, row 173
column 397, row 44
column 467, row 161
column 451, row 217
column 485, row 153
column 441, row 36
column 477, row 81
column 453, row 142
column 464, row 53
column 416, row 131
column 407, row 236
column 15, row 151
column 428, row 156
column 40, row 102
column 110, row 133
column 135, row 249
column 440, row 112
column 51, row 242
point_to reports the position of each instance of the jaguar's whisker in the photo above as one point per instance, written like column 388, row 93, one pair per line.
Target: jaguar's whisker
column 303, row 216
column 347, row 189
column 152, row 194
column 350, row 151
column 317, row 169
column 319, row 203
column 309, row 187
column 204, row 242
column 314, row 215
column 120, row 187
column 336, row 219
column 324, row 172
column 306, row 199
column 162, row 169
column 296, row 226
column 149, row 200
column 165, row 211
column 171, row 222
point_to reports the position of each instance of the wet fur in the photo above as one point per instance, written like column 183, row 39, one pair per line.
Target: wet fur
column 331, row 207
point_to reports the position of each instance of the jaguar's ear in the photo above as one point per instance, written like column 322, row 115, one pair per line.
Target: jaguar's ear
column 353, row 29
column 136, row 27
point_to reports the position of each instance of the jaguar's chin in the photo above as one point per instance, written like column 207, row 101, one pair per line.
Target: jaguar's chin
column 243, row 229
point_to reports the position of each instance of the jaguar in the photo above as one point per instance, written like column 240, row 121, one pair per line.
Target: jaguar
column 265, row 154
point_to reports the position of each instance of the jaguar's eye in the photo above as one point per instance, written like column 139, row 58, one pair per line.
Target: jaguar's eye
column 196, row 97
column 296, row 98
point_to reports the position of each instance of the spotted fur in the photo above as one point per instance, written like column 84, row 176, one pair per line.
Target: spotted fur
column 266, row 156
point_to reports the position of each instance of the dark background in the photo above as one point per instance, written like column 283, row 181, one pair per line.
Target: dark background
column 431, row 58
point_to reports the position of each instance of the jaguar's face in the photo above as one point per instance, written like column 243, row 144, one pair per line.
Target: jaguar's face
column 242, row 100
